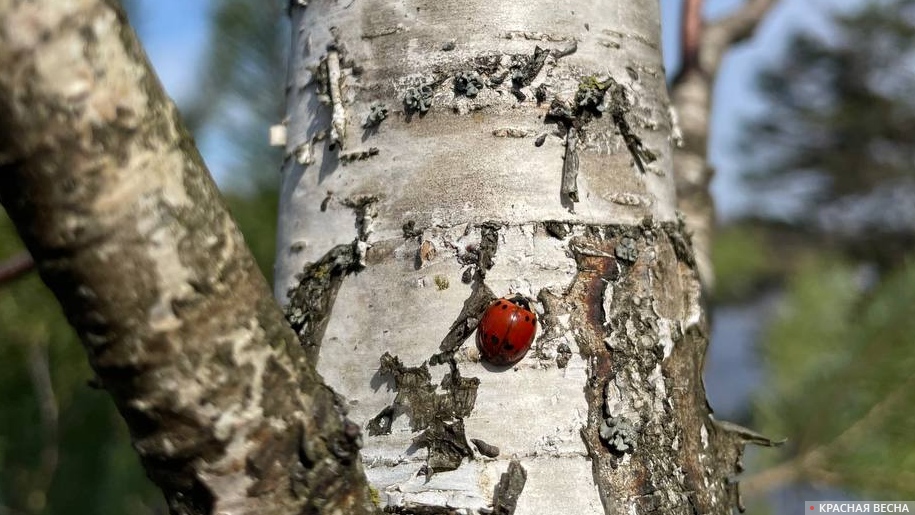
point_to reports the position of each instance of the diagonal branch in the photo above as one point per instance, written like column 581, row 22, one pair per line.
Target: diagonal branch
column 128, row 230
column 741, row 25
column 720, row 35
column 811, row 462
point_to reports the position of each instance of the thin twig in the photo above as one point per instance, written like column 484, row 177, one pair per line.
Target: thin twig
column 338, row 119
column 40, row 374
column 16, row 266
column 810, row 461
column 569, row 187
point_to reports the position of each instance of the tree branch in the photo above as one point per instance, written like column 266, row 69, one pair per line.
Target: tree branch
column 690, row 35
column 740, row 25
column 128, row 230
column 15, row 267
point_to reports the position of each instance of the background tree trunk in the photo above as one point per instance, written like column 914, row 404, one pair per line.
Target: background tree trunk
column 440, row 154
column 703, row 48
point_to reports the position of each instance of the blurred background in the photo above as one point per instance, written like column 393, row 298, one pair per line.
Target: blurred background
column 813, row 140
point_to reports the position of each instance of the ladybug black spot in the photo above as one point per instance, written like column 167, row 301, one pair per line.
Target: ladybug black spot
column 494, row 339
column 508, row 346
column 527, row 318
column 504, row 305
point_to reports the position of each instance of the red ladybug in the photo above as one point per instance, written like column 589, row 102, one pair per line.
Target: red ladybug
column 506, row 330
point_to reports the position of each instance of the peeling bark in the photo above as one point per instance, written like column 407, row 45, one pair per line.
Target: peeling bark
column 128, row 230
column 509, row 489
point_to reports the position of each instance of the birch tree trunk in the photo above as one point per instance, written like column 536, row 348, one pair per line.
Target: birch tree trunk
column 442, row 154
column 128, row 230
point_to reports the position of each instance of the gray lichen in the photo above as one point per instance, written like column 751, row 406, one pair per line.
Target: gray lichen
column 619, row 433
column 590, row 95
column 560, row 111
column 525, row 68
column 377, row 113
column 626, row 250
column 468, row 83
column 418, row 98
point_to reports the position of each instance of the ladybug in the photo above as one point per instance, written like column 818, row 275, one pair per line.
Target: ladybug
column 506, row 330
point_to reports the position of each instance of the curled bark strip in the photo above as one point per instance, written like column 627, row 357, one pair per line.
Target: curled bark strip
column 569, row 187
column 338, row 120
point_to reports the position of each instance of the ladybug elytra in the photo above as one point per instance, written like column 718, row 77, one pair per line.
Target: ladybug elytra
column 506, row 330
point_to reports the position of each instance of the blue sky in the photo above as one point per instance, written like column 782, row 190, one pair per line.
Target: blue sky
column 175, row 32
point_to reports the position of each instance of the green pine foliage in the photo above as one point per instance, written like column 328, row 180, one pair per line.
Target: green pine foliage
column 840, row 354
column 255, row 213
column 742, row 262
column 841, row 359
column 840, row 113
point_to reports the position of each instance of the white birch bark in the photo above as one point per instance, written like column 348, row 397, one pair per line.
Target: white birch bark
column 449, row 180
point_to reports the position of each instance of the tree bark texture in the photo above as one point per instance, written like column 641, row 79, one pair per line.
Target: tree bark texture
column 442, row 154
column 127, row 228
